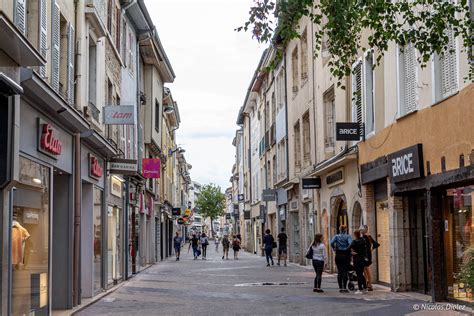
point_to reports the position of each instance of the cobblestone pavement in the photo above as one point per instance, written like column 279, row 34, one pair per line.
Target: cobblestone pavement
column 234, row 287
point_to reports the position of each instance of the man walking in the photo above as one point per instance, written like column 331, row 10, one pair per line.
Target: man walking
column 282, row 248
column 194, row 243
column 177, row 240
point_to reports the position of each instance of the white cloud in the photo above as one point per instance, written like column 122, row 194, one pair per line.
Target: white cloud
column 213, row 66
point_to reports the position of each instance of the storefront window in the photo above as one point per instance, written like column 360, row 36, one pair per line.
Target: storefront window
column 30, row 240
column 97, row 240
column 459, row 236
column 114, row 243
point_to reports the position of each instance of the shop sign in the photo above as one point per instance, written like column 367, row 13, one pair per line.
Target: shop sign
column 236, row 208
column 337, row 177
column 268, row 195
column 95, row 169
column 116, row 186
column 246, row 214
column 227, row 216
column 119, row 115
column 48, row 143
column 151, row 168
column 176, row 211
column 180, row 221
column 122, row 166
column 406, row 164
column 187, row 212
column 312, row 183
column 240, row 197
column 347, row 131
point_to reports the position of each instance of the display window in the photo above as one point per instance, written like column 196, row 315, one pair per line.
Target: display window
column 30, row 227
column 114, row 245
column 98, row 196
column 459, row 242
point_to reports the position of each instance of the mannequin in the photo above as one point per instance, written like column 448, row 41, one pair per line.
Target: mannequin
column 19, row 237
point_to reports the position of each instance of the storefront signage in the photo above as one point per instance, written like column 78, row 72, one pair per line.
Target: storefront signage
column 122, row 166
column 246, row 214
column 95, row 169
column 240, row 197
column 347, row 131
column 312, row 183
column 119, row 115
column 48, row 141
column 227, row 216
column 176, row 211
column 374, row 170
column 268, row 195
column 406, row 164
column 236, row 209
column 180, row 221
column 151, row 168
column 187, row 212
column 116, row 186
column 337, row 177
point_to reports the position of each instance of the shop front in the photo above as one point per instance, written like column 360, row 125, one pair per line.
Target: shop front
column 113, row 235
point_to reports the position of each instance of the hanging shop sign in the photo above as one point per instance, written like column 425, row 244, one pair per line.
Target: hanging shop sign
column 312, row 183
column 119, row 115
column 176, row 211
column 151, row 168
column 95, row 168
column 246, row 214
column 48, row 141
column 122, row 166
column 347, row 131
column 180, row 221
column 240, row 197
column 406, row 164
column 115, row 186
column 335, row 178
column 268, row 195
column 187, row 212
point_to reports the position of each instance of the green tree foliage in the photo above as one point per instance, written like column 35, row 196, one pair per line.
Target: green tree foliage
column 427, row 24
column 211, row 202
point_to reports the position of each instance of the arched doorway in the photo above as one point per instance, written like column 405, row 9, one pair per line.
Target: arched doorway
column 340, row 214
column 356, row 216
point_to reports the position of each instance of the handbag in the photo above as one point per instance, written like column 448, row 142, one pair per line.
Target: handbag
column 309, row 253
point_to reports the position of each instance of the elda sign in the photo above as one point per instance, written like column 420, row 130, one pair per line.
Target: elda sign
column 48, row 141
column 95, row 169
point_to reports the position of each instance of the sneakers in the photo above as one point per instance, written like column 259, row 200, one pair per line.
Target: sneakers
column 358, row 292
column 365, row 291
column 222, row 257
column 272, row 262
column 177, row 258
column 268, row 264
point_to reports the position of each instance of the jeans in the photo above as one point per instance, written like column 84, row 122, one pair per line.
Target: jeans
column 359, row 264
column 268, row 254
column 195, row 251
column 204, row 249
column 318, row 266
column 342, row 263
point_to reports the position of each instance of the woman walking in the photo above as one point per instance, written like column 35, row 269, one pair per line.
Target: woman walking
column 236, row 247
column 370, row 244
column 268, row 243
column 216, row 242
column 225, row 247
column 204, row 244
column 319, row 260
column 359, row 257
column 340, row 244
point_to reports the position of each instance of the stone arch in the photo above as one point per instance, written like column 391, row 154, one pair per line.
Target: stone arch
column 339, row 215
column 356, row 216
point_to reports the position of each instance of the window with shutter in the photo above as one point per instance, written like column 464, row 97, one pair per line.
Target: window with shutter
column 369, row 93
column 357, row 93
column 329, row 105
column 55, row 47
column 294, row 65
column 20, row 15
column 448, row 67
column 304, row 56
column 408, row 81
column 43, row 35
column 70, row 63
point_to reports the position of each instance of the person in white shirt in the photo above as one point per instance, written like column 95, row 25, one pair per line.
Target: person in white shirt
column 319, row 260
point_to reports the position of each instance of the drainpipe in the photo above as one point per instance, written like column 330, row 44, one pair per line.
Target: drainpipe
column 76, row 291
column 79, row 31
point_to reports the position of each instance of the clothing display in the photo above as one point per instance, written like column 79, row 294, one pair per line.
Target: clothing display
column 19, row 237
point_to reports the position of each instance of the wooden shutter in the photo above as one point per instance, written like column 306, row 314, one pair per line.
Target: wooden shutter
column 20, row 15
column 43, row 35
column 448, row 65
column 410, row 79
column 357, row 93
column 55, row 48
column 70, row 63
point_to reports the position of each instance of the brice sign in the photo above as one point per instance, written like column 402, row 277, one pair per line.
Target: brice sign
column 347, row 131
column 406, row 164
column 48, row 141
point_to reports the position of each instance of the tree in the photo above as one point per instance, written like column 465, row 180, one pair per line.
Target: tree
column 211, row 203
column 426, row 24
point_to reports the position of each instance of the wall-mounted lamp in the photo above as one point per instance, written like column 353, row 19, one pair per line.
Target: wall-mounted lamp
column 178, row 149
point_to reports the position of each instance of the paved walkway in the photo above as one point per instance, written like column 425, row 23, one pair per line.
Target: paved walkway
column 234, row 287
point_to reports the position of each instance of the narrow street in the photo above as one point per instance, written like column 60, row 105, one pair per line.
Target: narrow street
column 233, row 287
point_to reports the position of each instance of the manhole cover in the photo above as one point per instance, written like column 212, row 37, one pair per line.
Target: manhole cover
column 270, row 284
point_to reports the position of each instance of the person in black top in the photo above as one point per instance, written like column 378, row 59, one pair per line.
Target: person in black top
column 194, row 242
column 268, row 241
column 359, row 257
column 282, row 248
column 371, row 244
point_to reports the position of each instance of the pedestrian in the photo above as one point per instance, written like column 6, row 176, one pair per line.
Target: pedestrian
column 216, row 242
column 371, row 244
column 282, row 248
column 236, row 247
column 177, row 240
column 319, row 260
column 340, row 243
column 194, row 243
column 204, row 244
column 239, row 237
column 225, row 247
column 359, row 258
column 269, row 244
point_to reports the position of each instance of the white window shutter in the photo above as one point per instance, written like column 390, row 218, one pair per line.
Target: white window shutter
column 20, row 15
column 357, row 93
column 70, row 63
column 55, row 42
column 43, row 35
column 448, row 64
column 410, row 79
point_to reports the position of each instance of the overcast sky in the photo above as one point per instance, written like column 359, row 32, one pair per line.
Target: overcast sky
column 213, row 66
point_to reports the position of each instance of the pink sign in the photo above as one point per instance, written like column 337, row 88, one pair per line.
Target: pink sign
column 151, row 168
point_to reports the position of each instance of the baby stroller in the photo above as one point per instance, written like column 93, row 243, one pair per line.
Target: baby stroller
column 351, row 277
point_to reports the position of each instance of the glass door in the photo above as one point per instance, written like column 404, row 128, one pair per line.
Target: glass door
column 383, row 237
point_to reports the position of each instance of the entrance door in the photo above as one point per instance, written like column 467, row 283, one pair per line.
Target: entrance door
column 342, row 218
column 418, row 245
column 296, row 233
column 383, row 252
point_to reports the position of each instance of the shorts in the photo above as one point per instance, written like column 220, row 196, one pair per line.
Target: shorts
column 177, row 248
column 282, row 250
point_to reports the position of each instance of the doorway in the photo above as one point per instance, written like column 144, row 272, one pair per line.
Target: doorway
column 341, row 215
column 296, row 234
column 383, row 252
